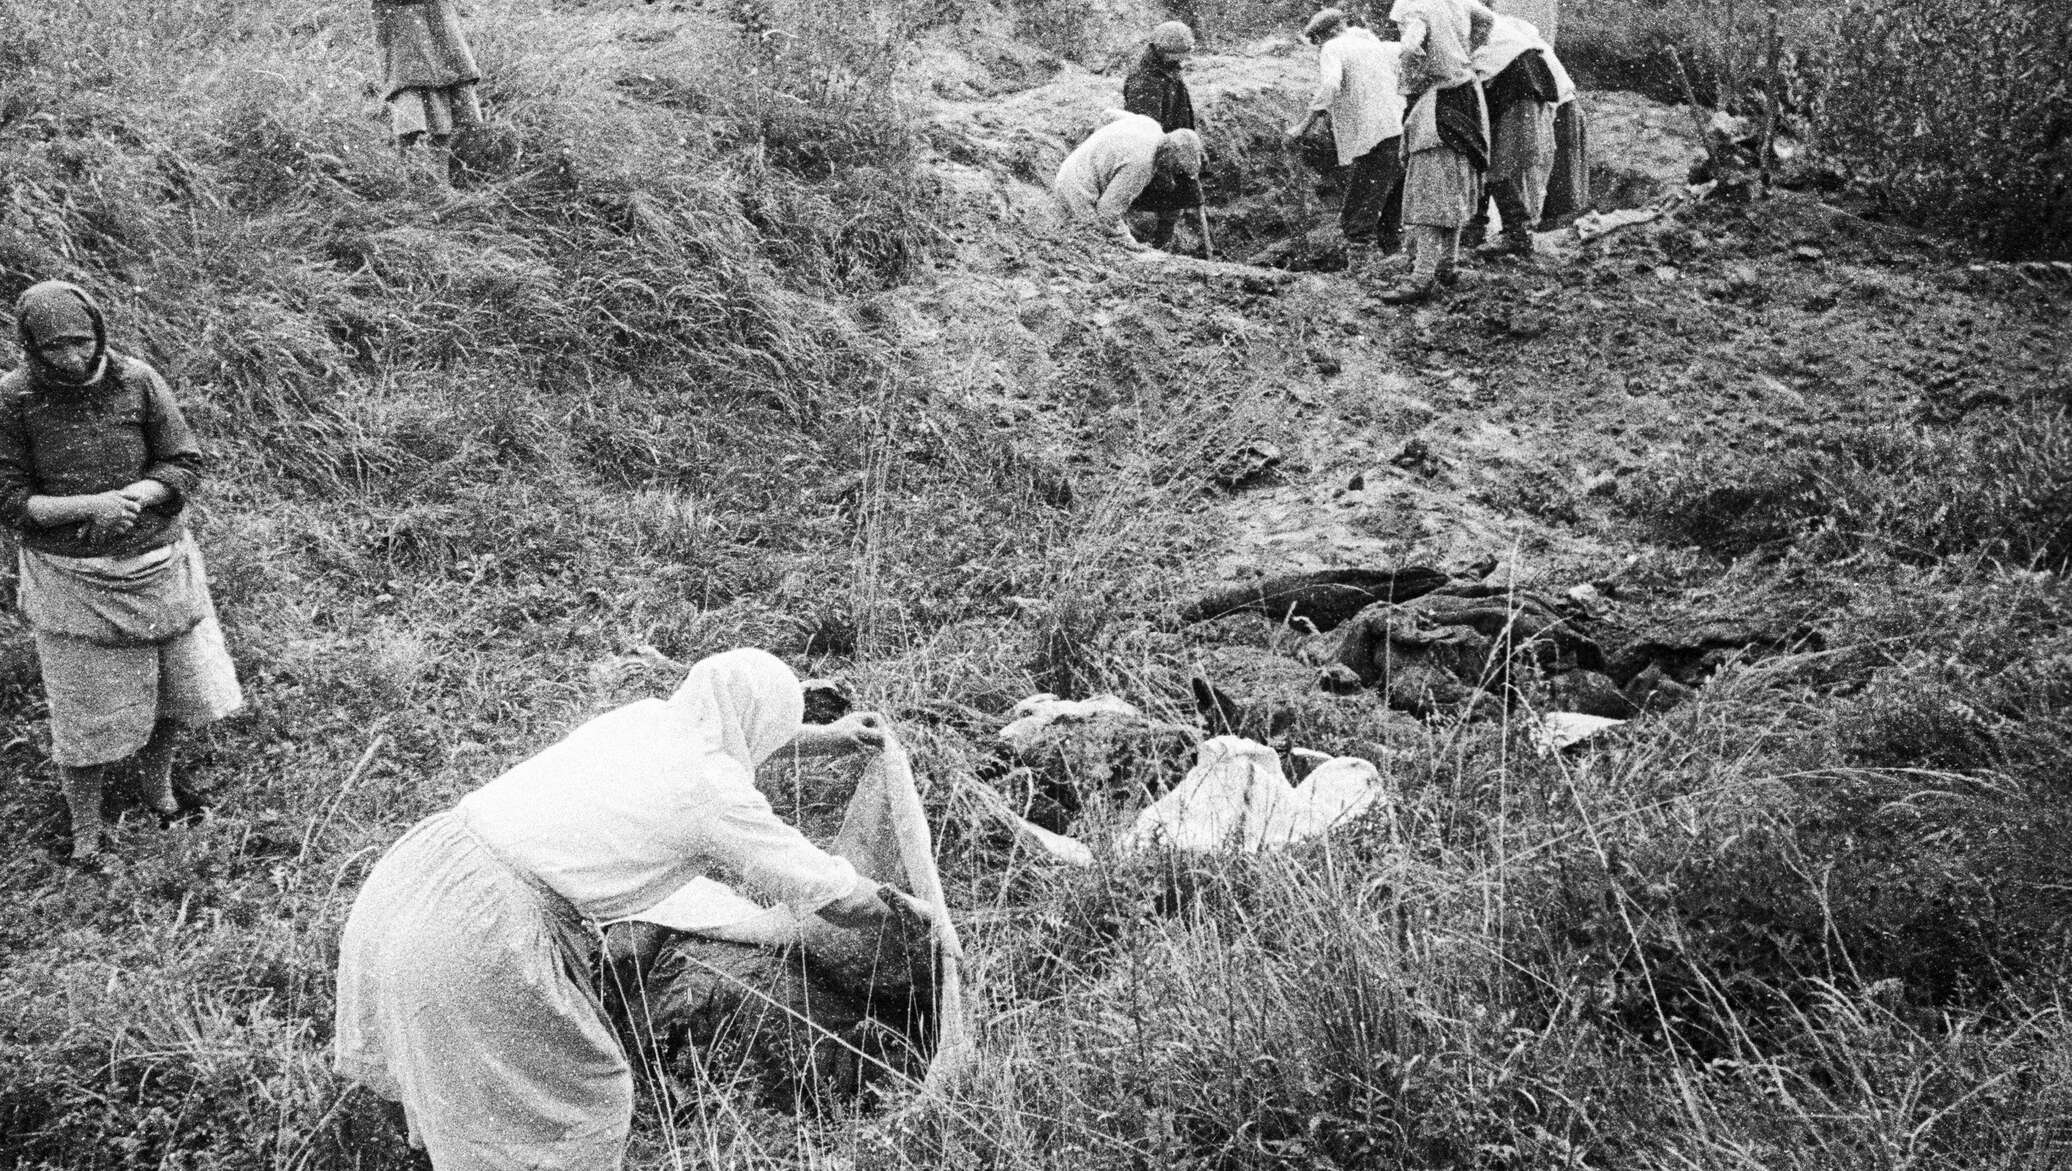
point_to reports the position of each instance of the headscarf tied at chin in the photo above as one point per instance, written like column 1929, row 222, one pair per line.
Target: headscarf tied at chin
column 746, row 701
column 52, row 311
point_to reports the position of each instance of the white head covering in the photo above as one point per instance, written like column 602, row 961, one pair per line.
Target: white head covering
column 1183, row 150
column 746, row 701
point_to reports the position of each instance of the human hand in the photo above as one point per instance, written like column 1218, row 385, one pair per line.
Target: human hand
column 858, row 732
column 861, row 907
column 110, row 514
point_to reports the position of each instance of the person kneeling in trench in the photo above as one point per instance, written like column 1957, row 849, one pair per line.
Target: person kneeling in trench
column 96, row 463
column 1118, row 164
column 463, row 988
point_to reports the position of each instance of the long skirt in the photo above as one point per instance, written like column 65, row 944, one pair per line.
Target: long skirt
column 1568, row 192
column 1521, row 155
column 104, row 700
column 463, row 994
column 1440, row 189
column 437, row 112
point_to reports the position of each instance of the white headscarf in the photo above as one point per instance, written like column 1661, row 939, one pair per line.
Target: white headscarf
column 746, row 702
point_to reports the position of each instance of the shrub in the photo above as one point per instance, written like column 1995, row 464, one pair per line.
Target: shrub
column 1957, row 113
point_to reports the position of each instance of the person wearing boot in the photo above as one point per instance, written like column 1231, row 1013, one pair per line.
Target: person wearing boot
column 1445, row 136
column 1156, row 88
column 1521, row 88
column 1359, row 89
column 428, row 78
column 96, row 464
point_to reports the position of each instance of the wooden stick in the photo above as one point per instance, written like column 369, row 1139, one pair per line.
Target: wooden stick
column 1772, row 83
column 1691, row 99
column 1201, row 216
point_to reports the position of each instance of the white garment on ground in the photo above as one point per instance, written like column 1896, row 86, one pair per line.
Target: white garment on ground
column 1359, row 83
column 1236, row 796
column 1442, row 30
column 1508, row 38
column 1038, row 713
column 1104, row 175
column 639, row 801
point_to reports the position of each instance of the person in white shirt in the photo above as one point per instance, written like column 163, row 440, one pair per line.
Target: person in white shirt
column 1359, row 88
column 1104, row 175
column 463, row 989
column 1445, row 135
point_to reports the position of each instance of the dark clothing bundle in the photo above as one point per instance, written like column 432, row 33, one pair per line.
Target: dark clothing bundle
column 1459, row 117
column 1525, row 79
column 63, row 439
column 1156, row 89
column 1317, row 146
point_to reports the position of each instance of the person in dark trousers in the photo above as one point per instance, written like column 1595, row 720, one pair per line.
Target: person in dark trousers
column 1522, row 85
column 1157, row 88
column 96, row 464
column 1359, row 91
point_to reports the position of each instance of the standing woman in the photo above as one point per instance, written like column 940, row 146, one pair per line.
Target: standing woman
column 428, row 76
column 1445, row 135
column 96, row 464
column 463, row 976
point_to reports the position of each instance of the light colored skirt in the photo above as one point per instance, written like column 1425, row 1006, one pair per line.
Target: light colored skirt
column 438, row 112
column 104, row 700
column 1440, row 189
column 463, row 993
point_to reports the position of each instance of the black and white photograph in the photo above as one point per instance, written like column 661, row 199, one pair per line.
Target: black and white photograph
column 1036, row 585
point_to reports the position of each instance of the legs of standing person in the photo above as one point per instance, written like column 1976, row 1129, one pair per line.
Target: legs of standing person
column 1359, row 216
column 1510, row 196
column 1438, row 189
column 1389, row 239
column 155, row 770
column 83, row 784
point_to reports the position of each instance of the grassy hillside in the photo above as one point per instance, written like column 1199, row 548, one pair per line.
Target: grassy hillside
column 703, row 350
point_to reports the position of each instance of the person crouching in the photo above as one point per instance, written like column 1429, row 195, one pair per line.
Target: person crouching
column 1105, row 176
column 96, row 464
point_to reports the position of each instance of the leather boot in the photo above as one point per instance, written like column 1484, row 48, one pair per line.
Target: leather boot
column 1408, row 291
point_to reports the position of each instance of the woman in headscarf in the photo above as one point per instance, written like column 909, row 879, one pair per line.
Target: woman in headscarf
column 96, row 464
column 1445, row 135
column 428, row 75
column 463, row 974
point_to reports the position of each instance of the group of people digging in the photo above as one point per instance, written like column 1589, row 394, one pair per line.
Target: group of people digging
column 1466, row 107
